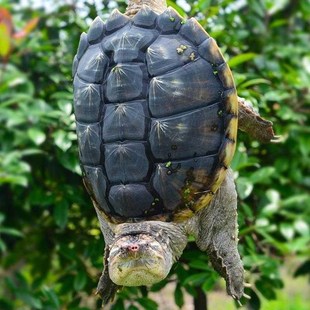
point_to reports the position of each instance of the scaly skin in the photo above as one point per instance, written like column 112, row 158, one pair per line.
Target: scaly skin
column 135, row 5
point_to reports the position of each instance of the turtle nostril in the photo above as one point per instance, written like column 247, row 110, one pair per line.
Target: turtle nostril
column 133, row 248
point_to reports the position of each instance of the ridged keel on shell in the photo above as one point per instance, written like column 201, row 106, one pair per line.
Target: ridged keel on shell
column 156, row 114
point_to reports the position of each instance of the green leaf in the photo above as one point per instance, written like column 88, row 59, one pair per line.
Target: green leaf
column 209, row 283
column 252, row 82
column 302, row 227
column 80, row 281
column 61, row 213
column 147, row 303
column 61, row 140
column 262, row 175
column 241, row 58
column 51, row 296
column 36, row 135
column 198, row 264
column 178, row 296
column 266, row 289
column 196, row 279
column 244, row 187
column 11, row 232
column 287, row 230
column 30, row 300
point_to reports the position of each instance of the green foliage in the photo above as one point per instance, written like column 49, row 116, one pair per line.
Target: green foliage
column 50, row 243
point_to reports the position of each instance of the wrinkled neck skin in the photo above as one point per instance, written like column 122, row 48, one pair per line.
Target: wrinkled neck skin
column 135, row 5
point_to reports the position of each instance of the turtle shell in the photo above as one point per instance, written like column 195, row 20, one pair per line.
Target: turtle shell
column 156, row 115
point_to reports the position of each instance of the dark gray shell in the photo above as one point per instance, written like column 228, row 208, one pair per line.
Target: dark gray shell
column 156, row 115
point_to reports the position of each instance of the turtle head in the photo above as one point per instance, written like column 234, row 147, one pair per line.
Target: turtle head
column 142, row 258
column 138, row 260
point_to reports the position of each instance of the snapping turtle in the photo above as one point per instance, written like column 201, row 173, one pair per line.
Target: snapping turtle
column 157, row 117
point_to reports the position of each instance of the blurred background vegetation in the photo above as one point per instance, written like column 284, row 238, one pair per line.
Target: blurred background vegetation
column 50, row 244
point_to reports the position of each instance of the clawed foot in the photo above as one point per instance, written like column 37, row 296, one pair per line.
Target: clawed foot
column 106, row 289
column 253, row 124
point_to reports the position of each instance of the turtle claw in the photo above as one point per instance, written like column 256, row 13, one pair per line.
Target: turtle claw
column 246, row 296
column 245, row 284
column 277, row 139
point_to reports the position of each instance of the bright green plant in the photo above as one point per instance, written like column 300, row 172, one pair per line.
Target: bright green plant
column 50, row 243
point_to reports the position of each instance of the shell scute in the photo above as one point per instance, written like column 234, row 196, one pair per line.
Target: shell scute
column 131, row 200
column 116, row 21
column 96, row 184
column 75, row 64
column 128, row 44
column 210, row 52
column 169, row 21
column 145, row 17
column 231, row 101
column 191, row 86
column 168, row 52
column 96, row 31
column 177, row 182
column 89, row 140
column 225, row 76
column 93, row 64
column 126, row 121
column 122, row 159
column 193, row 31
column 83, row 45
column 126, row 82
column 186, row 135
column 87, row 101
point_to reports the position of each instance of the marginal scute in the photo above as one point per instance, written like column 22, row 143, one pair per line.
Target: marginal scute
column 74, row 65
column 93, row 64
column 83, row 44
column 193, row 31
column 116, row 21
column 225, row 76
column 130, row 200
column 227, row 152
column 218, row 179
column 96, row 31
column 232, row 128
column 210, row 52
column 126, row 82
column 186, row 135
column 145, row 17
column 191, row 86
column 122, row 160
column 231, row 101
column 89, row 141
column 168, row 52
column 95, row 179
column 169, row 21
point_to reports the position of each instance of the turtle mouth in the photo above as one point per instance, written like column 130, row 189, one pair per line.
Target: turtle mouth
column 137, row 272
column 133, row 265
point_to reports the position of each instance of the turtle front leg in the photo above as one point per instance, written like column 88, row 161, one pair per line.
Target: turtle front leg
column 253, row 124
column 106, row 289
column 218, row 236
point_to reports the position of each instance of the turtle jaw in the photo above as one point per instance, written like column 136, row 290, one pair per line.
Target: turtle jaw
column 138, row 260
